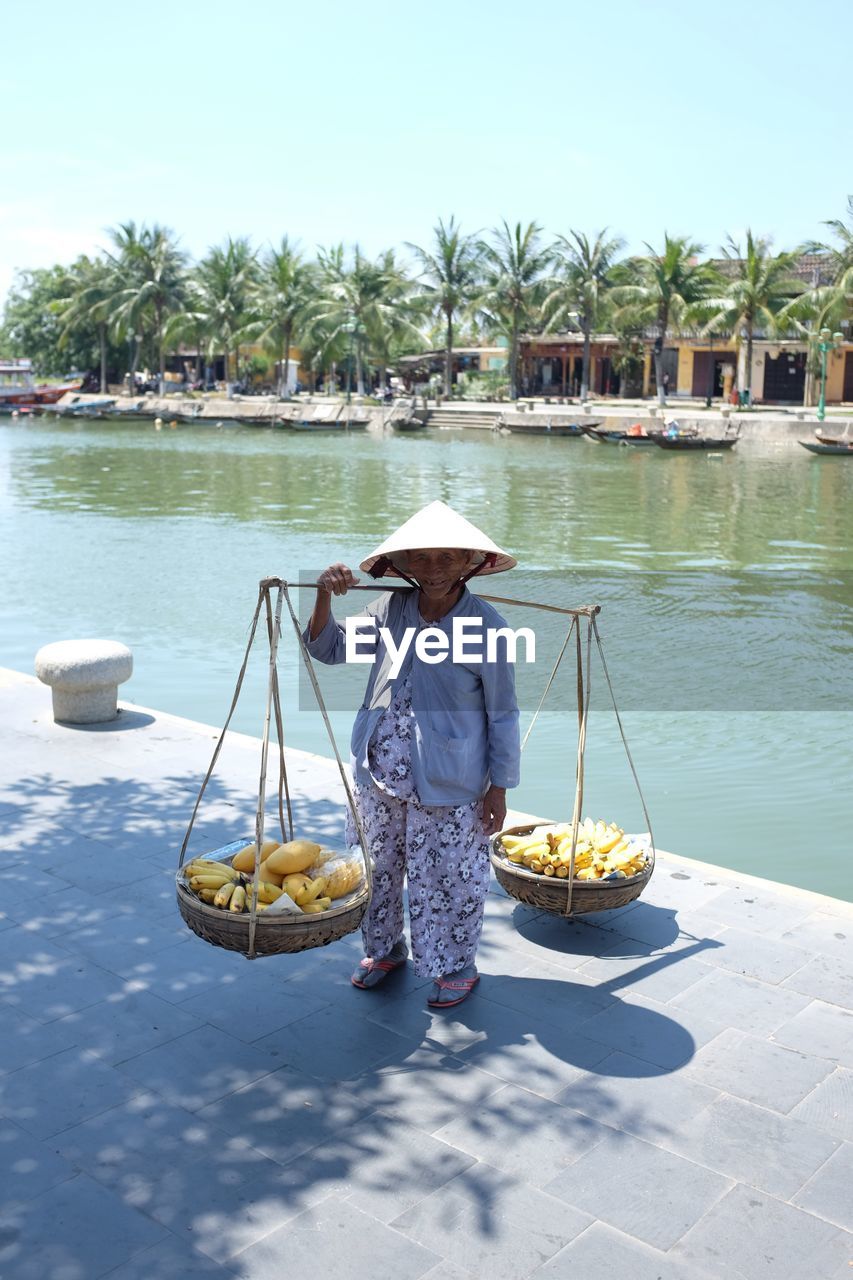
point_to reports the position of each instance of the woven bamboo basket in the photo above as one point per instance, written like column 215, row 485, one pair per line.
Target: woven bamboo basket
column 252, row 933
column 274, row 935
column 547, row 893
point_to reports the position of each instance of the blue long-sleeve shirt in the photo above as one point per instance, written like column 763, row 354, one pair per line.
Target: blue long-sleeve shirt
column 466, row 733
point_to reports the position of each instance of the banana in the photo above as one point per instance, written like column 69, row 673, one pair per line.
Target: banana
column 238, row 899
column 534, row 851
column 267, row 893
column 609, row 841
column 199, row 866
column 292, row 884
column 207, row 895
column 318, row 905
column 269, row 877
column 310, row 892
column 209, row 882
column 223, row 895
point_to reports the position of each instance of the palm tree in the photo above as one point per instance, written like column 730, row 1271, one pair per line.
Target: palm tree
column 285, row 288
column 361, row 305
column 586, row 268
column 664, row 289
column 224, row 281
column 514, row 266
column 150, row 271
column 90, row 302
column 393, row 317
column 829, row 302
column 450, row 272
column 843, row 254
column 758, row 287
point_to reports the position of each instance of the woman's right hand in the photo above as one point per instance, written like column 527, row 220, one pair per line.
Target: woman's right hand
column 337, row 580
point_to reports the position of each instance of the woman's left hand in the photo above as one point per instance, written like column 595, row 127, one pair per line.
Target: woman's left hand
column 494, row 810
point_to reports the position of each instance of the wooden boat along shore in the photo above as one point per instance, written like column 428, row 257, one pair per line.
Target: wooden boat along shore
column 540, row 424
column 838, row 447
column 687, row 444
column 601, row 435
column 332, row 417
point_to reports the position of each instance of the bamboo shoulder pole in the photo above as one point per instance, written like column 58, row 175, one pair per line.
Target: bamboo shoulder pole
column 584, row 611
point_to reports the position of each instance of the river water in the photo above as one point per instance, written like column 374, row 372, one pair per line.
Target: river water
column 726, row 586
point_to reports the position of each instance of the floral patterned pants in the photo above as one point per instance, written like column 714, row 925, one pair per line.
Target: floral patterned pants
column 444, row 854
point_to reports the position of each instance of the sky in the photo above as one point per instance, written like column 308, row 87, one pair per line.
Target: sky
column 366, row 122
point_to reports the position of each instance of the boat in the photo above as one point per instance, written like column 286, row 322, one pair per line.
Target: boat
column 824, row 439
column 402, row 416
column 332, row 418
column 687, row 443
column 839, row 448
column 630, row 437
column 84, row 407
column 19, row 389
column 21, row 410
column 530, row 425
column 134, row 411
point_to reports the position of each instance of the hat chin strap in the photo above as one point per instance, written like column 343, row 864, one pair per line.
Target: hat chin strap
column 384, row 563
column 491, row 558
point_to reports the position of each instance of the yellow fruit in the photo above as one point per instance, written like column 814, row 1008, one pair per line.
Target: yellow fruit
column 295, row 855
column 320, row 904
column 207, row 895
column 549, row 870
column 201, row 866
column 245, row 859
column 562, row 872
column 311, row 891
column 534, row 851
column 609, row 841
column 269, row 876
column 342, row 873
column 266, row 892
column 238, row 899
column 293, row 884
column 209, row 882
column 536, row 865
column 223, row 895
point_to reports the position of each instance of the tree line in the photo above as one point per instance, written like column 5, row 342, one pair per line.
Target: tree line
column 142, row 298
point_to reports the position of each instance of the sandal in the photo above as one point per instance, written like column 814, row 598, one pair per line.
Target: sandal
column 371, row 972
column 456, row 987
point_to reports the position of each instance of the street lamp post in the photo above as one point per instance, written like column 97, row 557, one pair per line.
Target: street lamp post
column 827, row 342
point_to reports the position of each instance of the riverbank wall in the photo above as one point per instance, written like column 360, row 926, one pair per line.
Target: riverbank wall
column 756, row 425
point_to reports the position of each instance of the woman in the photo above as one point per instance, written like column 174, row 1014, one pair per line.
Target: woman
column 434, row 747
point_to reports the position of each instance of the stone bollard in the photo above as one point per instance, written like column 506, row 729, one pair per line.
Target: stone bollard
column 84, row 676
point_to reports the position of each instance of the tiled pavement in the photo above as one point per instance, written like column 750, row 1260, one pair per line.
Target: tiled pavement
column 661, row 1093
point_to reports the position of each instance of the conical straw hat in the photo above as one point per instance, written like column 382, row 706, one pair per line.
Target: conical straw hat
column 437, row 525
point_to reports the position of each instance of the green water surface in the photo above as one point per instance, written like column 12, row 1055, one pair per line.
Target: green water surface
column 726, row 586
